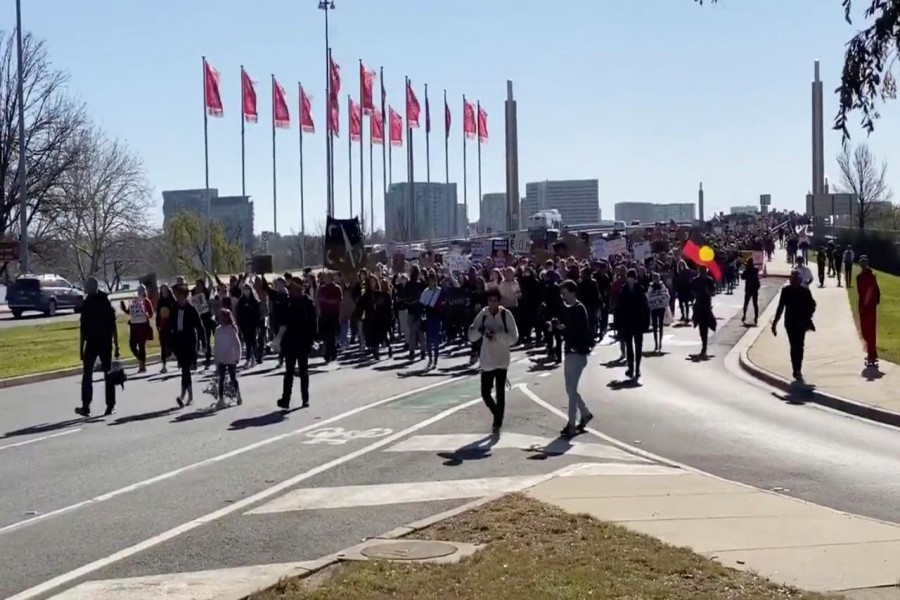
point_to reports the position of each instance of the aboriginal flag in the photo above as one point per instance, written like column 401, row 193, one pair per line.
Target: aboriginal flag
column 698, row 252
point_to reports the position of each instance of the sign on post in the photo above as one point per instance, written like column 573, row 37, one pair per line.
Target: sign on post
column 9, row 251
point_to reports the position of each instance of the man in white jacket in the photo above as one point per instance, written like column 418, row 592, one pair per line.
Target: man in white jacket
column 496, row 328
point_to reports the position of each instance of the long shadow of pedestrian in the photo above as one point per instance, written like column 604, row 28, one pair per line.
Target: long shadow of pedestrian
column 145, row 416
column 557, row 447
column 623, row 384
column 872, row 373
column 272, row 418
column 612, row 364
column 699, row 358
column 48, row 427
column 394, row 367
column 200, row 413
column 477, row 450
column 797, row 396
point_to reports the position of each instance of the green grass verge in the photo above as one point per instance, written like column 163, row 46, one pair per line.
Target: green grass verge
column 27, row 350
column 888, row 314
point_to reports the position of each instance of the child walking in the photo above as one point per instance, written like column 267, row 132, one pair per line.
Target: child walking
column 228, row 356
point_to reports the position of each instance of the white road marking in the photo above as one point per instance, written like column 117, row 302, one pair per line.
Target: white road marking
column 231, row 454
column 240, row 505
column 393, row 493
column 40, row 439
column 337, row 436
column 457, row 441
column 216, row 584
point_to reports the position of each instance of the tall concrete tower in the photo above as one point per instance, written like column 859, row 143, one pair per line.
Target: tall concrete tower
column 700, row 203
column 513, row 206
column 818, row 138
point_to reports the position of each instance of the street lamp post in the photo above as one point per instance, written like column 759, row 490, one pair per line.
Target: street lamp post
column 326, row 6
column 23, row 196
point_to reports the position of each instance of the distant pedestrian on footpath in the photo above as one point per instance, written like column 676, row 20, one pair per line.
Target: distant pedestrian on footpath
column 869, row 297
column 99, row 341
column 821, row 262
column 798, row 307
column 496, row 328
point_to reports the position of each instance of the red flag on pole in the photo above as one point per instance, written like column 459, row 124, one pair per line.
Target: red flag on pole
column 469, row 126
column 334, row 118
column 482, row 125
column 427, row 112
column 335, row 74
column 412, row 107
column 396, row 127
column 355, row 121
column 282, row 115
column 212, row 97
column 447, row 119
column 248, row 98
column 367, row 78
column 376, row 127
column 306, row 118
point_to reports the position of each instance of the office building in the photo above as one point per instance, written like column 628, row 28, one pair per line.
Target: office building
column 577, row 200
column 493, row 212
column 235, row 213
column 648, row 212
column 433, row 214
column 744, row 210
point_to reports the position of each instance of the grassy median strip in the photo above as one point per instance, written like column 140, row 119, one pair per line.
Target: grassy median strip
column 35, row 349
column 888, row 314
column 538, row 551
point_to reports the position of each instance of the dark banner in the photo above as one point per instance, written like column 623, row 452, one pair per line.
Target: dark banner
column 344, row 247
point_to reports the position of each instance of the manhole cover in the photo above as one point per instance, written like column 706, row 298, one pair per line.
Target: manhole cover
column 410, row 550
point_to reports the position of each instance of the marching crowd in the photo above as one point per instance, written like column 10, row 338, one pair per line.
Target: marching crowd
column 564, row 304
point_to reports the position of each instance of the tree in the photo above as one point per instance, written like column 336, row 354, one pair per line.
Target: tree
column 185, row 243
column 867, row 77
column 862, row 176
column 52, row 122
column 107, row 203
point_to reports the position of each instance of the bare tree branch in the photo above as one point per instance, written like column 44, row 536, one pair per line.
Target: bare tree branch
column 862, row 176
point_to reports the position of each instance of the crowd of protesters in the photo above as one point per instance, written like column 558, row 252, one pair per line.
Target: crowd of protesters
column 560, row 302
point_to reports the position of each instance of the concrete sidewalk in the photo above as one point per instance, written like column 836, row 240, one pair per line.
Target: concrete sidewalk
column 786, row 540
column 833, row 366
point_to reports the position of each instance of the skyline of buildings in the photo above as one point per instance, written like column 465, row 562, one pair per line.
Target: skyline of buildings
column 234, row 212
column 648, row 212
column 577, row 200
column 435, row 213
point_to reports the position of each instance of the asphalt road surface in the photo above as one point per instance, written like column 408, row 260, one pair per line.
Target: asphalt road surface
column 155, row 490
column 33, row 318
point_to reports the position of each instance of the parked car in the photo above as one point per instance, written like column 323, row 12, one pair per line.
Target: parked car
column 43, row 293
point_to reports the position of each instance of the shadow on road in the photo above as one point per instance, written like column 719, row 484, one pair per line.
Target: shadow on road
column 477, row 450
column 145, row 416
column 272, row 418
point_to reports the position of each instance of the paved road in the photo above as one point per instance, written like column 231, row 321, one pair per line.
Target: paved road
column 32, row 318
column 155, row 490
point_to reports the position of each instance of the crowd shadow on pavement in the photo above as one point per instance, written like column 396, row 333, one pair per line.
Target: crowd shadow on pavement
column 272, row 418
column 145, row 416
column 51, row 427
column 623, row 384
column 477, row 450
column 558, row 447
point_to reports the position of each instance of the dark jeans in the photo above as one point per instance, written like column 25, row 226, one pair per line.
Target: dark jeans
column 704, row 336
column 797, row 340
column 296, row 359
column 751, row 296
column 821, row 275
column 209, row 327
column 137, row 344
column 848, row 273
column 657, row 323
column 634, row 350
column 554, row 340
column 186, row 362
column 488, row 381
column 328, row 330
column 91, row 354
column 249, row 335
column 232, row 376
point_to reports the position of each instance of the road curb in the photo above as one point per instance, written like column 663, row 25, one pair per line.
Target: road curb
column 60, row 373
column 832, row 401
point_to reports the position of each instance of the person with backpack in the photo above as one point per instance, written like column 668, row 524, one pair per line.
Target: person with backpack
column 579, row 343
column 496, row 328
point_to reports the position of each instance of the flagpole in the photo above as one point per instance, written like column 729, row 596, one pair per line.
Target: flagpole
column 478, row 143
column 350, row 154
column 447, row 165
column 329, row 138
column 243, row 149
column 385, row 142
column 410, row 169
column 362, row 154
column 302, row 204
column 371, row 179
column 427, row 138
column 465, row 173
column 274, row 166
column 206, row 169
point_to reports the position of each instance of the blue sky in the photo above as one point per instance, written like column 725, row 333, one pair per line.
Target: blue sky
column 650, row 97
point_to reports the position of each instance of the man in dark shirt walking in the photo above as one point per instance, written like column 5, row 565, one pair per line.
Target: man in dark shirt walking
column 798, row 307
column 300, row 331
column 99, row 340
column 576, row 331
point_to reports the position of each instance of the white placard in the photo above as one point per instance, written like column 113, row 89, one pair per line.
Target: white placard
column 642, row 250
column 480, row 249
column 599, row 250
column 457, row 263
column 616, row 246
column 520, row 243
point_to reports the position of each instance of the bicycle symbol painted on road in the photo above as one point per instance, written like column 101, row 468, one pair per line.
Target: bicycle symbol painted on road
column 335, row 436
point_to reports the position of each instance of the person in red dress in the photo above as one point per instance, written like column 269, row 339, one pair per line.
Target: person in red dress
column 869, row 296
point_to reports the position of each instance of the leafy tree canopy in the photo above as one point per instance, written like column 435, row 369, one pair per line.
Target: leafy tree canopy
column 867, row 78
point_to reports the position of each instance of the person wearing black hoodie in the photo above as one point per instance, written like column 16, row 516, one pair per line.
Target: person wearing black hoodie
column 300, row 331
column 185, row 332
column 632, row 321
column 751, row 289
column 576, row 330
column 797, row 305
column 589, row 296
column 99, row 341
